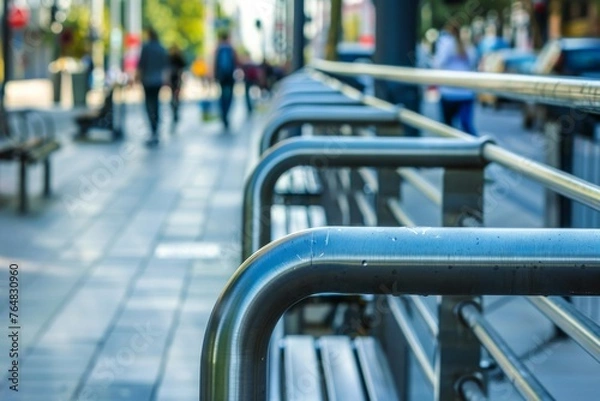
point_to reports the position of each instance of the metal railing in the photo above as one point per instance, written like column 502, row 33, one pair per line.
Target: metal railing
column 342, row 152
column 226, row 381
column 325, row 115
column 372, row 260
column 562, row 91
column 561, row 182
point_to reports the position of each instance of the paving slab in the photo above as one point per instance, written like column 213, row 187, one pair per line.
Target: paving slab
column 116, row 303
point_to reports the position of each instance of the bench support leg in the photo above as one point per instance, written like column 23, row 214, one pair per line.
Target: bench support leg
column 458, row 353
column 390, row 185
column 23, row 204
column 47, row 177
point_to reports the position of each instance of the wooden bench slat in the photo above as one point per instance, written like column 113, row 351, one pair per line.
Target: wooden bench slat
column 317, row 216
column 298, row 219
column 298, row 180
column 302, row 374
column 7, row 150
column 42, row 151
column 376, row 372
column 342, row 376
column 313, row 183
column 283, row 184
column 278, row 222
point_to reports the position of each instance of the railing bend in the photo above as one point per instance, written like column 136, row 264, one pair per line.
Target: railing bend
column 423, row 261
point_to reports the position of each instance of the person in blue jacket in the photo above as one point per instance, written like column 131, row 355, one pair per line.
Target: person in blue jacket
column 452, row 53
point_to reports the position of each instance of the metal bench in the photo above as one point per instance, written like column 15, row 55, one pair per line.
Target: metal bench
column 446, row 380
column 298, row 203
column 107, row 117
column 28, row 149
column 338, row 152
column 343, row 152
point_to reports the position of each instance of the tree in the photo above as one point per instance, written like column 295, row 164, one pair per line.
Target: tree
column 333, row 36
column 177, row 23
column 464, row 12
column 74, row 39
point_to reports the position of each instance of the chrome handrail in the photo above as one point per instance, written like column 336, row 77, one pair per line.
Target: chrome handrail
column 569, row 92
column 578, row 326
column 563, row 183
column 412, row 339
column 413, row 177
column 342, row 152
column 516, row 371
column 443, row 261
column 322, row 115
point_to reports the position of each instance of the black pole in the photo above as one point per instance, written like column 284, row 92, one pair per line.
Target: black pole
column 396, row 24
column 6, row 58
column 298, row 36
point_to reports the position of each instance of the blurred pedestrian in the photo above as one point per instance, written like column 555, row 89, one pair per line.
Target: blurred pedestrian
column 199, row 69
column 176, row 67
column 152, row 69
column 452, row 53
column 226, row 63
column 268, row 76
column 251, row 79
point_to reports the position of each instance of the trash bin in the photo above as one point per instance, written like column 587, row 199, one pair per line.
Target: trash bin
column 79, row 85
column 56, row 85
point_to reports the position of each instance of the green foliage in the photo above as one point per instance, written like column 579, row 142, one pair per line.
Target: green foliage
column 177, row 22
column 463, row 13
column 76, row 26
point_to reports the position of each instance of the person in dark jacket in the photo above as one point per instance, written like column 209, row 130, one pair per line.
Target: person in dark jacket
column 152, row 69
column 251, row 79
column 176, row 66
column 226, row 62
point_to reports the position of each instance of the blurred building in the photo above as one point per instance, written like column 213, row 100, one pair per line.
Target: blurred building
column 31, row 52
column 358, row 23
column 573, row 18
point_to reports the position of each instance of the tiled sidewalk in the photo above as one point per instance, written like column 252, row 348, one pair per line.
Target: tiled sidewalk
column 119, row 271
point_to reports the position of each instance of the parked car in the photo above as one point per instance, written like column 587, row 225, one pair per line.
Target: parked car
column 349, row 52
column 511, row 61
column 572, row 57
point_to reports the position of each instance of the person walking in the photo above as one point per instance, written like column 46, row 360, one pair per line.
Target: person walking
column 452, row 53
column 225, row 65
column 152, row 68
column 176, row 67
column 251, row 79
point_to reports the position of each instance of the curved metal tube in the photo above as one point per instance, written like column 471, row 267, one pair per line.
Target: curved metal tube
column 330, row 98
column 313, row 89
column 323, row 152
column 471, row 390
column 392, row 261
column 570, row 92
column 354, row 115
